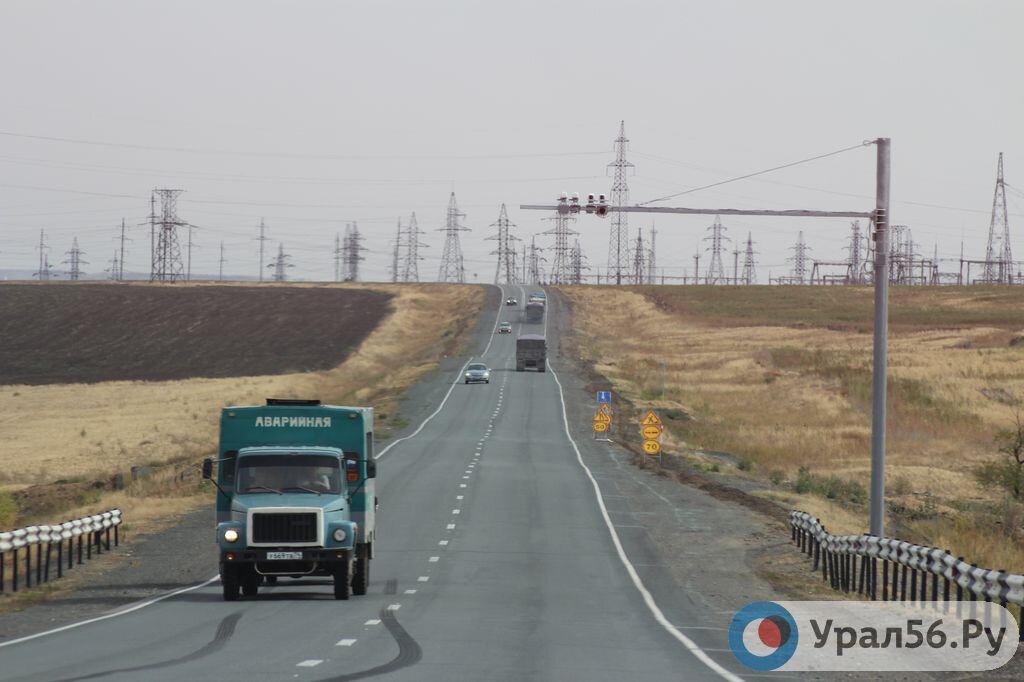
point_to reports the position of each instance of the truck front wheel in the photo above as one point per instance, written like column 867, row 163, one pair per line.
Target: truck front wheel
column 229, row 582
column 343, row 580
column 250, row 583
column 361, row 574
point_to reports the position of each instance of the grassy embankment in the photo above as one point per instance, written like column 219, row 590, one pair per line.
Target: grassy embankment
column 85, row 432
column 780, row 378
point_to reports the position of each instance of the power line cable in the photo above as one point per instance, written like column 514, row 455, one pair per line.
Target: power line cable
column 761, row 172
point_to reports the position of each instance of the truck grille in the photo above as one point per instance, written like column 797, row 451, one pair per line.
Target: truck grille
column 284, row 527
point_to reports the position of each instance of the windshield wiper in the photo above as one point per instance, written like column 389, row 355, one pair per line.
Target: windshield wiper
column 262, row 487
column 299, row 487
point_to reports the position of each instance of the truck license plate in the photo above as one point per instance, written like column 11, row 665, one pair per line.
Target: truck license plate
column 271, row 556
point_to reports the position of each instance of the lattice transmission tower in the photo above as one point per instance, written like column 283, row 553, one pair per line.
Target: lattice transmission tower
column 561, row 265
column 856, row 259
column 351, row 253
column 578, row 263
column 651, row 268
column 45, row 269
column 281, row 265
column 396, row 252
column 998, row 257
column 74, row 261
column 452, row 267
column 534, row 260
column 716, row 271
column 639, row 266
column 618, row 240
column 749, row 266
column 506, row 251
column 799, row 259
column 410, row 266
column 167, row 265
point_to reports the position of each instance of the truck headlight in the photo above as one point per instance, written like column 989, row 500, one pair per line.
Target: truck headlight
column 339, row 535
column 231, row 535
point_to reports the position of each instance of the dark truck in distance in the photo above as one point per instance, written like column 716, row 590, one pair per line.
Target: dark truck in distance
column 531, row 352
column 534, row 311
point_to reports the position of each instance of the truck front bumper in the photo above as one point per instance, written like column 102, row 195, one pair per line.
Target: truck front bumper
column 288, row 561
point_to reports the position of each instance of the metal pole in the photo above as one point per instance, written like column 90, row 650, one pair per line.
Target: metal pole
column 878, row 389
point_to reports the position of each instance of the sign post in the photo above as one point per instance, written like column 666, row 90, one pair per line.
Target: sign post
column 603, row 416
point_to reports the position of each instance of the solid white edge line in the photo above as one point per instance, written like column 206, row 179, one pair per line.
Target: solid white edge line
column 652, row 606
column 121, row 612
column 458, row 376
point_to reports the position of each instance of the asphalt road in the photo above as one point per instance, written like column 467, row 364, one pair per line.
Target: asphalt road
column 496, row 560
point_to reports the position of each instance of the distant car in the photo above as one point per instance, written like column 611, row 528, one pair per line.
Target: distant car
column 511, row 301
column 478, row 372
column 505, row 328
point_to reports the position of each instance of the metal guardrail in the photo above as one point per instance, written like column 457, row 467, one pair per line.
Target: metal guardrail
column 84, row 534
column 913, row 567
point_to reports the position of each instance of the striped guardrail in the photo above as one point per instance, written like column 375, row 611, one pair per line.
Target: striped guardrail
column 910, row 573
column 85, row 535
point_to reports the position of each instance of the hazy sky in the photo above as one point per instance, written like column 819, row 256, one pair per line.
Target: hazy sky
column 315, row 114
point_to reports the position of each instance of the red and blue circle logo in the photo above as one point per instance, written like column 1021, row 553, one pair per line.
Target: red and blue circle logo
column 763, row 635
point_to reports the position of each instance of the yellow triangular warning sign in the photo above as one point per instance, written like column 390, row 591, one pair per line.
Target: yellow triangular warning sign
column 650, row 419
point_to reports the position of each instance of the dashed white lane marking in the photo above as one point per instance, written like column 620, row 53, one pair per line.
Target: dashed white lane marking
column 456, row 511
column 394, row 607
column 451, row 526
column 434, row 559
column 372, row 621
column 443, row 543
column 423, row 578
column 410, row 591
column 459, row 497
column 309, row 663
column 463, row 485
column 346, row 642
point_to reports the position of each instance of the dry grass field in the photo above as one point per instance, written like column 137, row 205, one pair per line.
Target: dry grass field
column 87, row 432
column 780, row 378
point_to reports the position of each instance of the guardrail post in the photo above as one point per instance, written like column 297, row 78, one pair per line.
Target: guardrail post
column 60, row 557
column 874, row 578
column 39, row 563
column 108, row 538
column 3, row 561
column 88, row 546
column 885, row 580
column 28, row 567
column 817, row 554
column 46, row 570
column 14, row 571
column 79, row 550
column 117, row 540
column 913, row 586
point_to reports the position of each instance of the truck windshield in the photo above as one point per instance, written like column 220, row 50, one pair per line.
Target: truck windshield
column 288, row 473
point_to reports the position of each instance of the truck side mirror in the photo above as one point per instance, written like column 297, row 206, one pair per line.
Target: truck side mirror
column 207, row 468
column 371, row 469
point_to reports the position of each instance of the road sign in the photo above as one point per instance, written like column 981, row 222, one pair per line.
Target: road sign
column 604, row 408
column 602, row 418
column 604, row 397
column 600, row 427
column 651, row 432
column 650, row 419
column 652, row 447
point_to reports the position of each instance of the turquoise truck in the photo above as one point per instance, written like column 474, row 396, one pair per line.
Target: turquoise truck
column 295, row 495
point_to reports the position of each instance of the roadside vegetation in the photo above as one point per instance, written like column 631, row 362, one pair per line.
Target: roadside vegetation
column 773, row 385
column 68, row 447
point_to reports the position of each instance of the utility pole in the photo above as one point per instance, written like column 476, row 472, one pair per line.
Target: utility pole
column 394, row 256
column 696, row 268
column 188, row 267
column 452, row 269
column 535, row 276
column 618, row 241
column 736, row 266
column 120, row 269
column 650, row 258
column 220, row 270
column 338, row 255
column 881, row 338
column 44, row 266
column 262, row 238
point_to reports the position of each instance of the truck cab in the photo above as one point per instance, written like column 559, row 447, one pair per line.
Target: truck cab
column 295, row 495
